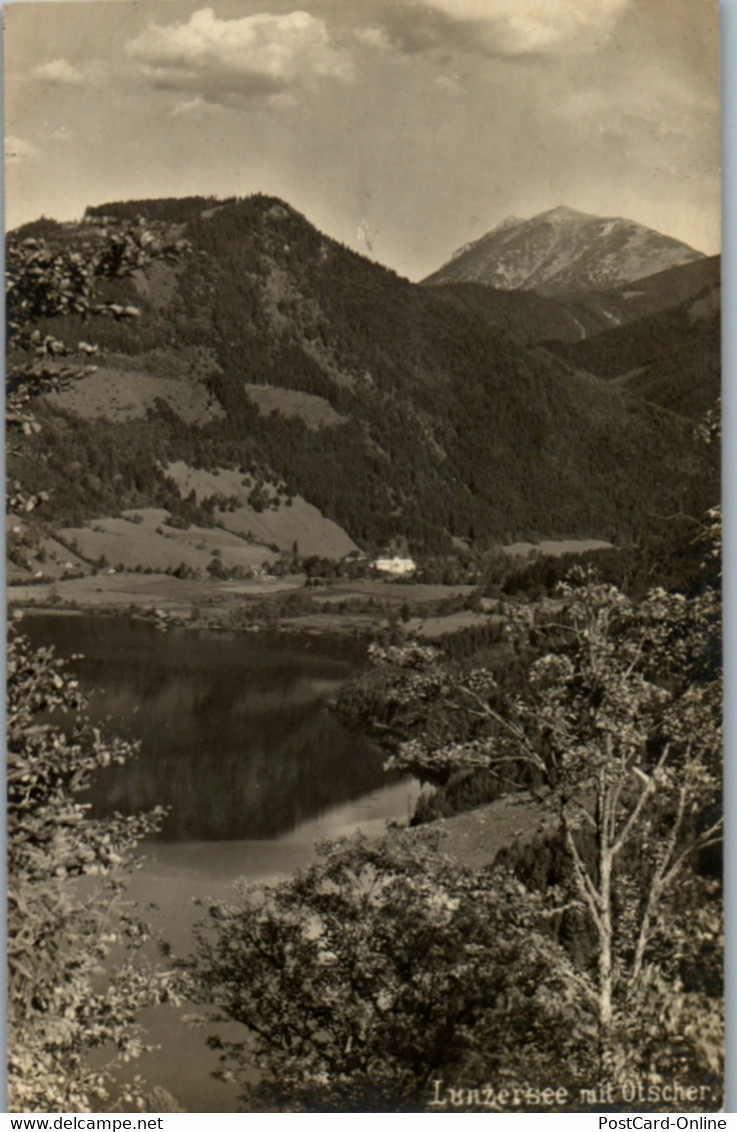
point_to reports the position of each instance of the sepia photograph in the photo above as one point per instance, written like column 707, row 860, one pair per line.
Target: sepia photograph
column 363, row 558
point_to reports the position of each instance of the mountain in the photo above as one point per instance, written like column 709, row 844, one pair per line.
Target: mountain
column 601, row 310
column 529, row 317
column 563, row 250
column 273, row 368
column 671, row 356
column 525, row 316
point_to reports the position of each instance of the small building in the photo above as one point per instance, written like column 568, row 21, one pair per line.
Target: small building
column 397, row 567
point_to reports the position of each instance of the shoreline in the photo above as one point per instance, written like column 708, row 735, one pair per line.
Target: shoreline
column 354, row 609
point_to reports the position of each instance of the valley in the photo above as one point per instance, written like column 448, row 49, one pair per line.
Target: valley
column 364, row 658
column 279, row 398
column 344, row 554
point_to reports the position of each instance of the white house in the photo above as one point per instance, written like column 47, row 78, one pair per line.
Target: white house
column 397, row 567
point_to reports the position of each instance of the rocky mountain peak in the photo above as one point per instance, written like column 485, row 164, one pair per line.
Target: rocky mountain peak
column 564, row 250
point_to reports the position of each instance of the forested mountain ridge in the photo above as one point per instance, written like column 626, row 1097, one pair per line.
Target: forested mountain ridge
column 414, row 418
column 529, row 317
column 646, row 296
column 562, row 250
column 672, row 356
column 525, row 316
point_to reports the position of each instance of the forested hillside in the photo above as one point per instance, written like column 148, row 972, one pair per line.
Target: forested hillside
column 654, row 293
column 524, row 315
column 575, row 315
column 671, row 357
column 432, row 424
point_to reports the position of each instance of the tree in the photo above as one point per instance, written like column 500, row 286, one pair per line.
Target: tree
column 631, row 714
column 615, row 724
column 47, row 277
column 377, row 970
column 66, row 916
column 620, row 726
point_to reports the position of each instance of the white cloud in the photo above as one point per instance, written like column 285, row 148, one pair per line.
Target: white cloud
column 189, row 108
column 62, row 73
column 59, row 72
column 226, row 61
column 374, row 37
column 18, row 151
column 449, row 83
column 538, row 25
column 503, row 27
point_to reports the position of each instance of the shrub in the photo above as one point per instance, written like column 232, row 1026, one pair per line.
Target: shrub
column 66, row 873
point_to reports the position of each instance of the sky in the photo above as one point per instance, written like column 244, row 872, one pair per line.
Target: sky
column 403, row 128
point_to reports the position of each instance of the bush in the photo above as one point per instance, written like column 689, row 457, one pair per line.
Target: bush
column 379, row 969
column 60, row 932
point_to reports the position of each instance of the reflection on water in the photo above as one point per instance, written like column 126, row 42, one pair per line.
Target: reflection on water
column 235, row 737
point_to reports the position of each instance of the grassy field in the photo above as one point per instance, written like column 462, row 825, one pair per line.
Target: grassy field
column 390, row 591
column 451, row 623
column 301, row 522
column 142, row 538
column 316, row 412
column 146, row 591
column 556, row 547
column 123, row 395
column 224, row 602
column 428, row 628
column 476, row 838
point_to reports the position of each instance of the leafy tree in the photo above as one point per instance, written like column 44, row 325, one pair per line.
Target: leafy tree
column 66, row 876
column 620, row 727
column 632, row 714
column 47, row 277
column 375, row 971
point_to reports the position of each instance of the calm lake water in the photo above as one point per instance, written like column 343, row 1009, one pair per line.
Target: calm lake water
column 237, row 742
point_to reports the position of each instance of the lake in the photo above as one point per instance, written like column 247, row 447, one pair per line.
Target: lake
column 237, row 742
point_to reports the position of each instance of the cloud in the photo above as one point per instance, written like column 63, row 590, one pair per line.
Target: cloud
column 503, row 27
column 59, row 72
column 194, row 107
column 522, row 26
column 449, row 83
column 18, row 151
column 229, row 61
column 62, row 73
column 374, row 37
column 282, row 99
